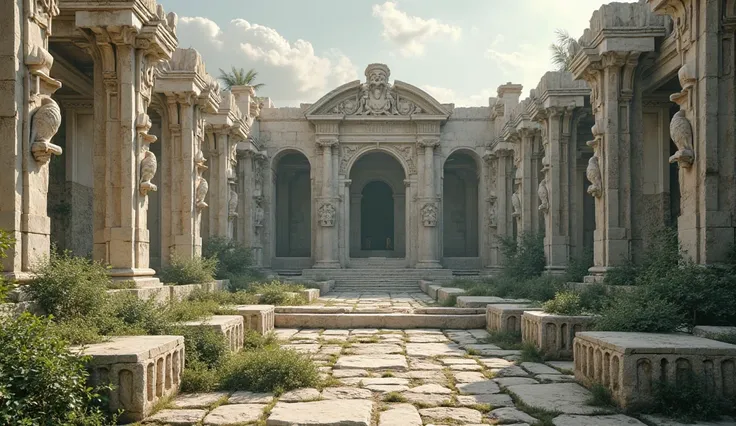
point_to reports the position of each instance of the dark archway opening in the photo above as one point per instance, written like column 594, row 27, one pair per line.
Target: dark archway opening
column 293, row 206
column 377, row 217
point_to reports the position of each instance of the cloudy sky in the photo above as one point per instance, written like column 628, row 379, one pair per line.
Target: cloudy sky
column 457, row 51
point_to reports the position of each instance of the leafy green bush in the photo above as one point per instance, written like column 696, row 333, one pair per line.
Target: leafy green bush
column 688, row 399
column 505, row 340
column 600, row 396
column 189, row 271
column 564, row 303
column 243, row 281
column 254, row 340
column 69, row 287
column 269, row 370
column 196, row 377
column 224, row 298
column 594, row 298
column 523, row 258
column 128, row 315
column 6, row 242
column 577, row 267
column 41, row 381
column 233, row 257
column 204, row 345
column 640, row 311
column 192, row 309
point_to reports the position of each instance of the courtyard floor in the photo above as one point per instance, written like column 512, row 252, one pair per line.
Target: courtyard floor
column 432, row 377
column 373, row 301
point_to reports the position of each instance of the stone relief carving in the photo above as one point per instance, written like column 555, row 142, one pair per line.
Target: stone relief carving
column 408, row 153
column 259, row 213
column 516, row 204
column 429, row 214
column 326, row 214
column 44, row 125
column 201, row 192
column 148, row 171
column 347, row 153
column 492, row 214
column 682, row 134
column 232, row 205
column 593, row 173
column 377, row 96
column 543, row 193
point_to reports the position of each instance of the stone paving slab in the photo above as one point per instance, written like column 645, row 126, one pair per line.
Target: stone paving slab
column 615, row 420
column 344, row 412
column 567, row 398
column 400, row 415
column 198, row 400
column 373, row 362
column 234, row 414
column 462, row 415
column 177, row 417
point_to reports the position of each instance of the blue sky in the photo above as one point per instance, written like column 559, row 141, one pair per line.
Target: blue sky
column 458, row 51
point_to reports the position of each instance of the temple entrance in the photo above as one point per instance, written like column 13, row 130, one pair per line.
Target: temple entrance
column 377, row 207
column 377, row 217
column 293, row 206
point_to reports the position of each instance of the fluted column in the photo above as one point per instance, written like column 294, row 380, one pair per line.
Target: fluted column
column 429, row 209
column 327, row 208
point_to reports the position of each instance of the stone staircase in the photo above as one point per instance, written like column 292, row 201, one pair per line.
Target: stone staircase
column 383, row 280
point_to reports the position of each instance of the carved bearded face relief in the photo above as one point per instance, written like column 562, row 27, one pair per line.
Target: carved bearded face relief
column 377, row 82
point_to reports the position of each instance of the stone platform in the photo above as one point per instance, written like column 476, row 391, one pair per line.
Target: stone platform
column 551, row 333
column 142, row 369
column 506, row 318
column 629, row 364
column 379, row 320
column 260, row 318
column 231, row 326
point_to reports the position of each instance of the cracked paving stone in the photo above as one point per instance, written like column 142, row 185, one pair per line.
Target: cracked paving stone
column 346, row 393
column 567, row 398
column 468, row 376
column 511, row 381
column 507, row 415
column 300, row 395
column 537, row 368
column 511, row 371
column 400, row 415
column 477, row 388
column 617, row 420
column 339, row 412
column 559, row 378
column 431, row 388
column 427, row 400
column 177, row 417
column 440, row 414
column 245, row 397
column 349, row 373
column 197, row 400
column 372, row 362
column 375, row 349
column 234, row 414
column 494, row 400
column 428, row 350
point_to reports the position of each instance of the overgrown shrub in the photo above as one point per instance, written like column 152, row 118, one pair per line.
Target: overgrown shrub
column 523, row 258
column 688, row 399
column 625, row 274
column 189, row 271
column 6, row 243
column 223, row 298
column 254, row 340
column 640, row 311
column 577, row 267
column 564, row 303
column 69, row 287
column 594, row 298
column 204, row 345
column 128, row 315
column 269, row 370
column 243, row 281
column 41, row 381
column 196, row 377
column 233, row 257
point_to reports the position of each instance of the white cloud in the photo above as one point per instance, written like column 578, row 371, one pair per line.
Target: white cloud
column 526, row 65
column 289, row 69
column 450, row 96
column 411, row 33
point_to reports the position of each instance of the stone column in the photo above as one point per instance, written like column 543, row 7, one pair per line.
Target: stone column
column 528, row 182
column 429, row 208
column 125, row 58
column 489, row 223
column 327, row 208
column 29, row 119
column 259, row 225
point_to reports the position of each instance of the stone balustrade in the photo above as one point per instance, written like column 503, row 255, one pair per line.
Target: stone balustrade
column 631, row 364
column 231, row 326
column 506, row 317
column 261, row 318
column 143, row 370
column 552, row 333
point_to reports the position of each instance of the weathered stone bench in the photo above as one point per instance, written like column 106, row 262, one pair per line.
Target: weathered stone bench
column 483, row 301
column 445, row 294
column 231, row 326
column 142, row 370
column 310, row 294
column 506, row 317
column 551, row 333
column 260, row 318
column 629, row 364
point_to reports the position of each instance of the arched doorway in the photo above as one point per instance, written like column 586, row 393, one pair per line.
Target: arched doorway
column 460, row 206
column 293, row 206
column 377, row 217
column 377, row 207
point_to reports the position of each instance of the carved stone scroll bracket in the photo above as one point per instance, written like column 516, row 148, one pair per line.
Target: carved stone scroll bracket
column 201, row 192
column 326, row 214
column 516, row 204
column 429, row 214
column 44, row 125
column 543, row 192
column 148, row 165
column 682, row 134
column 593, row 171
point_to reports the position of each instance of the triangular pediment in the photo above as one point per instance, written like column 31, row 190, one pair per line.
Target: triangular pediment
column 378, row 98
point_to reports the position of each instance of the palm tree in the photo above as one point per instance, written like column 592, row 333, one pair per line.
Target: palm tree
column 239, row 77
column 564, row 50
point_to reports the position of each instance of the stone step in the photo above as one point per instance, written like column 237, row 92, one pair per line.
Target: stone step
column 380, row 320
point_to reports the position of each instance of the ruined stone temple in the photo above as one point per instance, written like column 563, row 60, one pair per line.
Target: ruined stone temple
column 117, row 144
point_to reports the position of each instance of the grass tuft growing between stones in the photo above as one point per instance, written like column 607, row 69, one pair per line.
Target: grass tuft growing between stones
column 601, row 396
column 504, row 340
column 530, row 353
column 269, row 370
column 394, row 397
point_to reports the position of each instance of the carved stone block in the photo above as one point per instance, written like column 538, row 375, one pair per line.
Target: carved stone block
column 551, row 333
column 630, row 364
column 506, row 318
column 260, row 318
column 231, row 326
column 142, row 369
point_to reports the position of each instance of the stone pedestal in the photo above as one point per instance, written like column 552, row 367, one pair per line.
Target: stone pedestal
column 506, row 318
column 231, row 326
column 142, row 369
column 551, row 333
column 630, row 364
column 260, row 318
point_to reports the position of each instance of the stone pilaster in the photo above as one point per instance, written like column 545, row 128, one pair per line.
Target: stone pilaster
column 29, row 119
column 429, row 207
column 704, row 130
column 126, row 43
column 327, row 205
column 607, row 61
column 527, row 176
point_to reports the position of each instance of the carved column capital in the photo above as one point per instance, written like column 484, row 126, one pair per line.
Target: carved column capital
column 429, row 142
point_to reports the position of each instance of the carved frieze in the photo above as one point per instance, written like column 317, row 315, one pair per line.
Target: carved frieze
column 407, row 152
column 348, row 152
column 377, row 97
column 326, row 214
column 429, row 214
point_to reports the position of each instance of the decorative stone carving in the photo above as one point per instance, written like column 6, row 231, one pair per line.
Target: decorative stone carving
column 429, row 214
column 516, row 204
column 593, row 173
column 347, row 154
column 259, row 213
column 232, row 205
column 682, row 134
column 201, row 192
column 44, row 125
column 377, row 96
column 407, row 152
column 148, row 171
column 543, row 193
column 326, row 214
column 492, row 214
